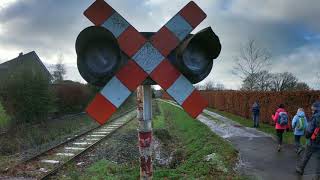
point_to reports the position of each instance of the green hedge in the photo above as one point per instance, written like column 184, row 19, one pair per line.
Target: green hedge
column 4, row 118
column 27, row 96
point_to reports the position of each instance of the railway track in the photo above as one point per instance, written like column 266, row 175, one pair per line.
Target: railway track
column 47, row 163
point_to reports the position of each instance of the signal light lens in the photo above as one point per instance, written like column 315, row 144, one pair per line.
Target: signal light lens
column 98, row 55
column 194, row 57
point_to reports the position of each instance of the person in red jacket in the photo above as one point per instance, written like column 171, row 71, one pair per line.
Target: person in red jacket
column 281, row 120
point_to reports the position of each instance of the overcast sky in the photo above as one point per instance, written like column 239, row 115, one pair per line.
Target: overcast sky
column 289, row 29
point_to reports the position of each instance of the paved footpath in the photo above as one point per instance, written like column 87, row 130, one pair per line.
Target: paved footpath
column 258, row 155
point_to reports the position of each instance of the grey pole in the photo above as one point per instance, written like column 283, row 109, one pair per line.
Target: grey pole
column 145, row 134
column 147, row 107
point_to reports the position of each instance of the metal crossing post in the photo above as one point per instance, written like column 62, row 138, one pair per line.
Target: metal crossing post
column 140, row 105
column 127, row 58
column 146, row 58
column 145, row 135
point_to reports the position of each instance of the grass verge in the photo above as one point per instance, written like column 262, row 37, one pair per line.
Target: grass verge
column 288, row 137
column 198, row 152
column 204, row 154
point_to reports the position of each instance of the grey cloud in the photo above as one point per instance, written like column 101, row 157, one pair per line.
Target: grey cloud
column 304, row 12
column 302, row 62
column 50, row 27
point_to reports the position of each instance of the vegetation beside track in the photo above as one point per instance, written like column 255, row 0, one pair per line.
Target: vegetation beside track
column 288, row 137
column 202, row 153
column 24, row 141
column 196, row 151
column 4, row 118
column 119, row 151
column 29, row 139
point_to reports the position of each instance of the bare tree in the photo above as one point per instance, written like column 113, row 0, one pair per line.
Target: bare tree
column 276, row 82
column 263, row 81
column 59, row 70
column 260, row 81
column 249, row 83
column 220, row 86
column 302, row 86
column 252, row 59
column 283, row 82
column 210, row 85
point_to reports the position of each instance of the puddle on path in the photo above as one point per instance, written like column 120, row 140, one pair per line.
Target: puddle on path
column 225, row 128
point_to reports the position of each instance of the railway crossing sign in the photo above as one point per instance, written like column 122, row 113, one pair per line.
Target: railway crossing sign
column 147, row 58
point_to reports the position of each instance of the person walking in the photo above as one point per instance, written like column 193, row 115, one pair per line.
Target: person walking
column 299, row 123
column 312, row 132
column 281, row 123
column 255, row 114
column 308, row 139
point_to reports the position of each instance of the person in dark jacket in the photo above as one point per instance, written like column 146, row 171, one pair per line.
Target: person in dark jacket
column 314, row 147
column 255, row 114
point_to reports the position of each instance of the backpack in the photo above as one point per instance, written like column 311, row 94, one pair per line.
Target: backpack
column 283, row 118
column 316, row 133
column 255, row 109
column 301, row 124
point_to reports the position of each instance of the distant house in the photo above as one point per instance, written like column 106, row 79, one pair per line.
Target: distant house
column 28, row 61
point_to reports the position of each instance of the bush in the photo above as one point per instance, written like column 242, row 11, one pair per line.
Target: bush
column 4, row 118
column 27, row 95
column 71, row 97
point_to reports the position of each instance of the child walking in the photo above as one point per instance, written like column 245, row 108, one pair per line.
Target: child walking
column 299, row 123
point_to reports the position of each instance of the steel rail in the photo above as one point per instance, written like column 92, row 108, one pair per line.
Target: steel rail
column 83, row 151
column 74, row 137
